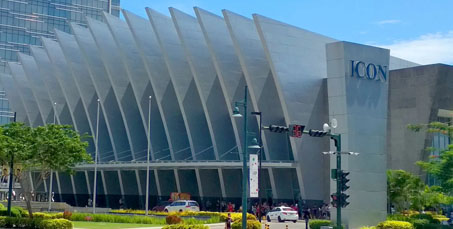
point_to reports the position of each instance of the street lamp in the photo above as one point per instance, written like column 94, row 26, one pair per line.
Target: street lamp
column 147, row 157
column 51, row 173
column 96, row 158
column 237, row 114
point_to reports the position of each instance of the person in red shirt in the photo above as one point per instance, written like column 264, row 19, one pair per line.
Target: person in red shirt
column 230, row 207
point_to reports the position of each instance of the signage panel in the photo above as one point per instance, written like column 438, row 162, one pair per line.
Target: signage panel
column 253, row 176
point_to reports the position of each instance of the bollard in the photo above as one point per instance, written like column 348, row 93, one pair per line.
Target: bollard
column 286, row 226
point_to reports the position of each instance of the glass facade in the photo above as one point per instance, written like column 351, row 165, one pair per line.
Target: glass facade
column 23, row 22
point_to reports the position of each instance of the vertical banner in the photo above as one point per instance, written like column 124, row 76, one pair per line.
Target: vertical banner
column 253, row 176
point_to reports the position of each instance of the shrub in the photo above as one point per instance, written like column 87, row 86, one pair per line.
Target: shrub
column 173, row 219
column 55, row 224
column 185, row 226
column 36, row 223
column 393, row 224
column 42, row 215
column 117, row 218
column 399, row 217
column 67, row 214
column 425, row 216
column 235, row 216
column 15, row 212
column 317, row 223
column 251, row 224
column 420, row 223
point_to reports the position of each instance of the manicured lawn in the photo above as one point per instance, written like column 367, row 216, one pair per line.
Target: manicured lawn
column 100, row 225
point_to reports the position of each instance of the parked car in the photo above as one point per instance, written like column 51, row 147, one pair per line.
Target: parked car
column 282, row 214
column 182, row 205
column 161, row 206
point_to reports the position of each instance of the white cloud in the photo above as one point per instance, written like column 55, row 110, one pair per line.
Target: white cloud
column 384, row 22
column 426, row 49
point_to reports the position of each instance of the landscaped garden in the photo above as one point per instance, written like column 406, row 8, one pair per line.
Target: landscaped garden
column 118, row 219
column 405, row 220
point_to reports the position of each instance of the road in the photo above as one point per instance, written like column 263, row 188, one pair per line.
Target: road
column 272, row 225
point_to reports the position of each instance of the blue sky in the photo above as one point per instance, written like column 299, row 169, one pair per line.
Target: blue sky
column 421, row 31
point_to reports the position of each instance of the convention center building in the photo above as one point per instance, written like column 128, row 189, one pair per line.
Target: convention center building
column 177, row 79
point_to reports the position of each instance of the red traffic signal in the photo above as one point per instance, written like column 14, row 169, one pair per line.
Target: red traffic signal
column 296, row 131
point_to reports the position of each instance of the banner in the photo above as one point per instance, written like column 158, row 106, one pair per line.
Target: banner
column 253, row 176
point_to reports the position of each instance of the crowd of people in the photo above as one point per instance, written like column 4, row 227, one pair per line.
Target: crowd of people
column 315, row 211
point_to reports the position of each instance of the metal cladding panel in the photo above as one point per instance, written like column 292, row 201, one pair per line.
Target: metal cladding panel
column 228, row 69
column 37, row 86
column 122, row 87
column 256, row 68
column 222, row 51
column 51, row 84
column 137, row 65
column 186, row 91
column 86, row 89
column 63, row 75
column 140, row 82
column 103, row 86
column 296, row 59
column 26, row 94
column 211, row 92
column 155, row 65
column 185, row 86
column 12, row 93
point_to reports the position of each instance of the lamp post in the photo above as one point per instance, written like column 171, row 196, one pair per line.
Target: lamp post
column 96, row 159
column 260, row 158
column 147, row 157
column 51, row 175
column 10, row 186
column 237, row 114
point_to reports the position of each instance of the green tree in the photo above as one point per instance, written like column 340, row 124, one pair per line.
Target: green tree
column 402, row 188
column 440, row 167
column 44, row 148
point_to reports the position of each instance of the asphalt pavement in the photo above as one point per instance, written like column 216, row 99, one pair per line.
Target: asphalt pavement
column 272, row 225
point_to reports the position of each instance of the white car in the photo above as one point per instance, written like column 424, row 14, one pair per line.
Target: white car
column 282, row 214
column 182, row 205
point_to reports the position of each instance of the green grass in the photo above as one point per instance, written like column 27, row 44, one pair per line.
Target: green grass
column 100, row 225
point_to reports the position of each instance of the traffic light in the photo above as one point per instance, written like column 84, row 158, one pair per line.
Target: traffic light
column 343, row 176
column 296, row 131
column 317, row 133
column 278, row 129
column 344, row 200
column 343, row 179
column 334, row 200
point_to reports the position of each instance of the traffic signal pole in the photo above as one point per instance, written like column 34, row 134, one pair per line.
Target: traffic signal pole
column 337, row 140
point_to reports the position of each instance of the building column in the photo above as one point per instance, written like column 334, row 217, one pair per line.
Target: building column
column 222, row 183
column 156, row 177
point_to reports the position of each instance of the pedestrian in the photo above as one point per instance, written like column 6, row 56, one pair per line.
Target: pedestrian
column 230, row 207
column 306, row 217
column 228, row 222
column 121, row 202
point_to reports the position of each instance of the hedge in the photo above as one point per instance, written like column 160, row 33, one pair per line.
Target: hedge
column 393, row 224
column 251, row 224
column 223, row 215
column 35, row 223
column 116, row 218
column 317, row 223
column 185, row 226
